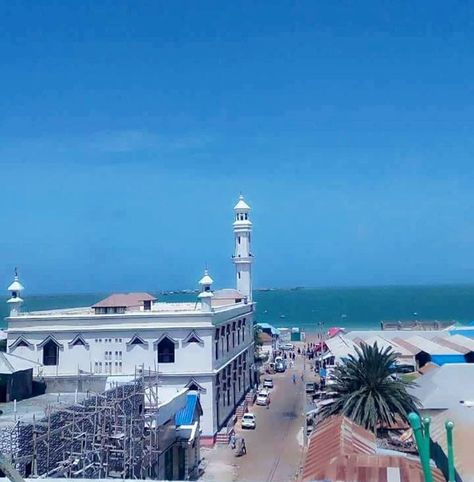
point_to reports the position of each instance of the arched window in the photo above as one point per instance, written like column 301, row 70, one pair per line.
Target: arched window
column 166, row 351
column 50, row 353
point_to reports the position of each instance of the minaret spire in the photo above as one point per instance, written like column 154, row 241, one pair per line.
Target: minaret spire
column 206, row 294
column 243, row 255
column 15, row 300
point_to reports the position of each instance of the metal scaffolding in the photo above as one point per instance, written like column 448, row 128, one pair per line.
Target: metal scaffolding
column 113, row 434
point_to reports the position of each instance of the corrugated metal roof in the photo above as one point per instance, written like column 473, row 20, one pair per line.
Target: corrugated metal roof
column 384, row 343
column 186, row 415
column 429, row 346
column 333, row 437
column 463, row 418
column 341, row 346
column 342, row 451
column 445, row 387
column 10, row 364
column 375, row 468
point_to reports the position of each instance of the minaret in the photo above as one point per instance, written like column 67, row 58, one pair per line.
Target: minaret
column 206, row 294
column 15, row 301
column 243, row 256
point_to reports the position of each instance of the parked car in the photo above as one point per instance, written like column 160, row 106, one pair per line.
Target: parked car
column 403, row 368
column 287, row 346
column 310, row 387
column 280, row 367
column 248, row 421
column 267, row 383
column 263, row 398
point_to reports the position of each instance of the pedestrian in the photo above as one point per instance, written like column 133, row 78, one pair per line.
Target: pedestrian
column 233, row 441
column 268, row 402
column 244, row 448
column 302, row 376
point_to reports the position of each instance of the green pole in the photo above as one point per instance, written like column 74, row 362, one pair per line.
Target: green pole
column 426, row 435
column 449, row 435
column 415, row 423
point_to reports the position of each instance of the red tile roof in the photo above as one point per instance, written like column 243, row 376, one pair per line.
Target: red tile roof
column 126, row 300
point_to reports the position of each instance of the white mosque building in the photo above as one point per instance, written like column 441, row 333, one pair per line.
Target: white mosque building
column 206, row 345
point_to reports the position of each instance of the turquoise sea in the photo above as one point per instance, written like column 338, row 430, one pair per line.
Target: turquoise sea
column 305, row 308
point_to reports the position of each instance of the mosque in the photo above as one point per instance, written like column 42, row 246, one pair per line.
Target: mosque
column 206, row 345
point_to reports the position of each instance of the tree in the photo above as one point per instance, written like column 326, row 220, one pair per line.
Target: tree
column 366, row 392
column 257, row 338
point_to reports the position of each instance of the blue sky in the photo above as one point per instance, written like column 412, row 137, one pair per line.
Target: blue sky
column 128, row 129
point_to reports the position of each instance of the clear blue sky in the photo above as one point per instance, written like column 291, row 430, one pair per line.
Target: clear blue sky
column 128, row 129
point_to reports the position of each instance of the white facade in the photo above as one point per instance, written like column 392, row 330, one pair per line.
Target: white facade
column 200, row 345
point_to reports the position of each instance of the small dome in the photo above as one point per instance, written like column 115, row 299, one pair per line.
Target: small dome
column 16, row 285
column 241, row 205
column 205, row 294
column 206, row 279
column 15, row 300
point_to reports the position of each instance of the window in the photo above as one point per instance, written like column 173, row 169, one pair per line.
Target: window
column 136, row 340
column 238, row 239
column 147, row 305
column 238, row 274
column 78, row 342
column 166, row 351
column 50, row 353
column 22, row 343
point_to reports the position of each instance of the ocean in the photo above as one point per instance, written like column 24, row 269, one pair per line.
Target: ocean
column 352, row 308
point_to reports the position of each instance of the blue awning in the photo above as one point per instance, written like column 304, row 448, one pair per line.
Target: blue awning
column 186, row 415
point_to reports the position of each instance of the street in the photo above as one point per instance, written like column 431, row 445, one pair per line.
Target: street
column 274, row 448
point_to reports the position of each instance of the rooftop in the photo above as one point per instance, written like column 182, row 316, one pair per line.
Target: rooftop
column 342, row 451
column 10, row 364
column 36, row 406
column 127, row 300
column 156, row 308
column 445, row 386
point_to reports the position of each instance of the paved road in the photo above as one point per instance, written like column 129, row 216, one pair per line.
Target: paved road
column 274, row 449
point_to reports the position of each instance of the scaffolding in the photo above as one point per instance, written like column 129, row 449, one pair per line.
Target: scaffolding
column 113, row 434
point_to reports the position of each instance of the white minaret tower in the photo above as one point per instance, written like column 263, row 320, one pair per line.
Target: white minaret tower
column 243, row 256
column 15, row 301
column 206, row 294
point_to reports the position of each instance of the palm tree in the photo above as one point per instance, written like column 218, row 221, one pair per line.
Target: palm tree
column 365, row 391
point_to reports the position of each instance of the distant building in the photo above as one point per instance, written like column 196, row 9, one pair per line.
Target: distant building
column 205, row 345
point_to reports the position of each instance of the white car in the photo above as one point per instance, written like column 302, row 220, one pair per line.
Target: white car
column 287, row 346
column 248, row 421
column 267, row 383
column 263, row 398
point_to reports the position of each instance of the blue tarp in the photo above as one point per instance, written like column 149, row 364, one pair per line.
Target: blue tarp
column 444, row 359
column 186, row 415
column 468, row 333
column 322, row 372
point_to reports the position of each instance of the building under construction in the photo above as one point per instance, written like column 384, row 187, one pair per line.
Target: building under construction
column 126, row 432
